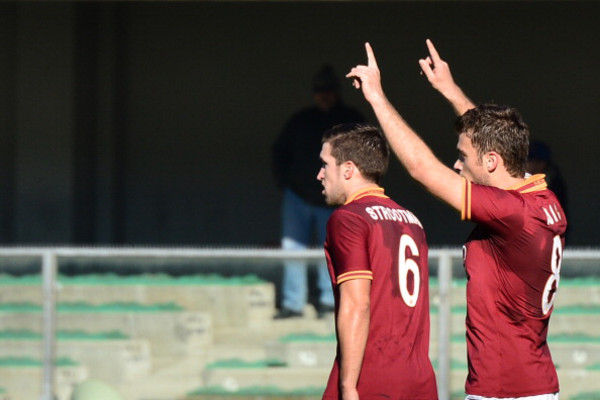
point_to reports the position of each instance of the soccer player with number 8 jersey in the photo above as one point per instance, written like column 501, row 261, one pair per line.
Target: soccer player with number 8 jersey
column 377, row 258
column 512, row 258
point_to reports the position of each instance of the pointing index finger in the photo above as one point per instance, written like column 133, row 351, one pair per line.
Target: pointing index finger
column 434, row 54
column 371, row 61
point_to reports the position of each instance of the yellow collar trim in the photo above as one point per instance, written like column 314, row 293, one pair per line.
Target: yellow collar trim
column 531, row 184
column 368, row 191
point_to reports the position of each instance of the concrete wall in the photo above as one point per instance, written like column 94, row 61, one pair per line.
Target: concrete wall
column 152, row 122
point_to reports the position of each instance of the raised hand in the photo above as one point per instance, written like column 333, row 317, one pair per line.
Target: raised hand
column 368, row 77
column 438, row 73
column 437, row 70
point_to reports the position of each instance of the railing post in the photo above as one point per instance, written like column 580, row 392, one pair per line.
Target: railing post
column 49, row 270
column 445, row 309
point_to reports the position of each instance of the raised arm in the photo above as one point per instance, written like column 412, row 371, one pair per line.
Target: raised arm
column 438, row 73
column 410, row 149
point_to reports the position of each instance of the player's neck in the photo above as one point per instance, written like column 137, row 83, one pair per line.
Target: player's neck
column 506, row 181
column 361, row 188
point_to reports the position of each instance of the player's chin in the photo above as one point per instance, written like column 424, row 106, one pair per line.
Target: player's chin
column 330, row 201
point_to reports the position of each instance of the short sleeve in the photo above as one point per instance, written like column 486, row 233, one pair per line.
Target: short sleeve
column 348, row 236
column 498, row 209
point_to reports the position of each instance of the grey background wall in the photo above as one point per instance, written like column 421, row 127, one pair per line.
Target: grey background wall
column 152, row 123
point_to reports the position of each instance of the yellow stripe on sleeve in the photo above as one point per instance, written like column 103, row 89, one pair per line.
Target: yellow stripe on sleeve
column 465, row 210
column 464, row 200
column 348, row 276
column 469, row 199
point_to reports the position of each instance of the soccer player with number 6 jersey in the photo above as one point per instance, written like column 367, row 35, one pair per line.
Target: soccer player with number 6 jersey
column 513, row 256
column 377, row 258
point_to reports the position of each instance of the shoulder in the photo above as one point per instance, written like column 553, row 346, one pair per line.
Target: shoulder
column 346, row 212
column 493, row 206
column 347, row 218
column 510, row 210
column 490, row 196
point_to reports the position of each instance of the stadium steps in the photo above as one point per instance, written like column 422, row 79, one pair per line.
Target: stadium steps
column 231, row 322
column 303, row 350
column 575, row 351
column 232, row 302
column 161, row 335
column 111, row 356
column 255, row 381
column 235, row 374
column 581, row 383
column 170, row 330
column 255, row 393
column 587, row 395
column 21, row 377
column 168, row 382
column 181, row 341
column 577, row 324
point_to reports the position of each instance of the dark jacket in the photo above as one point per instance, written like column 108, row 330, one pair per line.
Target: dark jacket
column 296, row 160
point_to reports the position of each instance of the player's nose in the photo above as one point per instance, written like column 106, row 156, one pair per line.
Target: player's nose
column 458, row 166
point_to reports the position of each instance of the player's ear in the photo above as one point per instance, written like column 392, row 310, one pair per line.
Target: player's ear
column 349, row 169
column 492, row 160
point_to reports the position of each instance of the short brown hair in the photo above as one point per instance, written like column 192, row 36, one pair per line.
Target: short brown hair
column 363, row 144
column 497, row 128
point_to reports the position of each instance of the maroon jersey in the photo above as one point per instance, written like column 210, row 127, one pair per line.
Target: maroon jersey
column 512, row 260
column 372, row 237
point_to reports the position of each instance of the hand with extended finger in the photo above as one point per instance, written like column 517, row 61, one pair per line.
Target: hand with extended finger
column 437, row 71
column 368, row 78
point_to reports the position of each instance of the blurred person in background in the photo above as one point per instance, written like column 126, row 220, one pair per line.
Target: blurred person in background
column 304, row 213
column 539, row 161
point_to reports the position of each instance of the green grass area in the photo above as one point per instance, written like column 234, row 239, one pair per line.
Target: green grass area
column 458, row 395
column 258, row 391
column 458, row 365
column 577, row 309
column 454, row 365
column 62, row 335
column 558, row 338
column 138, row 279
column 573, row 338
column 586, row 396
column 594, row 367
column 307, row 337
column 434, row 309
column 581, row 281
column 161, row 279
column 236, row 363
column 80, row 307
column 32, row 362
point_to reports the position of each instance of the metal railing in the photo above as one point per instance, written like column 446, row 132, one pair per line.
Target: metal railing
column 49, row 257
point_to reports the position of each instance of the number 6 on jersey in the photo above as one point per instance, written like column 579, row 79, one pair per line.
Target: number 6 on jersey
column 406, row 265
